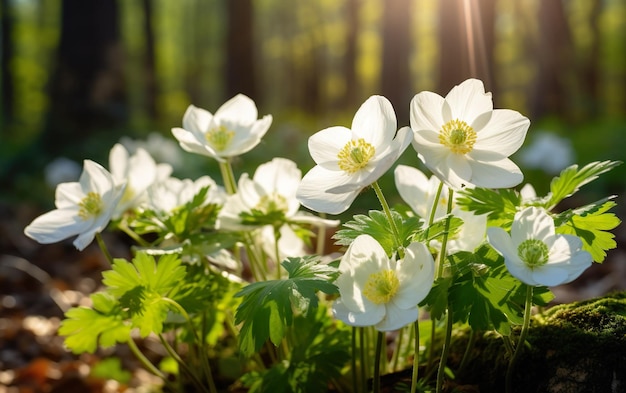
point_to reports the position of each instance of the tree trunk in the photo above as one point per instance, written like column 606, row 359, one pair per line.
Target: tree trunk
column 554, row 57
column 396, row 75
column 240, row 70
column 6, row 56
column 149, row 61
column 466, row 35
column 87, row 91
column 352, row 32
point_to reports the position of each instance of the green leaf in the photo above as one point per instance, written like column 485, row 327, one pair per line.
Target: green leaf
column 484, row 293
column 437, row 298
column 142, row 286
column 438, row 229
column 376, row 225
column 87, row 328
column 591, row 224
column 499, row 205
column 267, row 307
column 571, row 179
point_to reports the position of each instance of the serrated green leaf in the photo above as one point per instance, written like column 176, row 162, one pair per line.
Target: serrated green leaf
column 591, row 225
column 376, row 225
column 499, row 205
column 437, row 299
column 571, row 179
column 142, row 286
column 438, row 229
column 267, row 307
column 87, row 328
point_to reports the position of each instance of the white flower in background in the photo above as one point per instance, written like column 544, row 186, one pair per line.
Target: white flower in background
column 464, row 141
column 162, row 150
column 289, row 244
column 233, row 130
column 528, row 194
column 272, row 192
column 83, row 208
column 419, row 192
column 534, row 254
column 548, row 152
column 61, row 170
column 349, row 160
column 138, row 171
column 166, row 195
column 382, row 292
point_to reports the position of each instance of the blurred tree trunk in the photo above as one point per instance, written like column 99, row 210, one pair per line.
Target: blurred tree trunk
column 553, row 55
column 397, row 49
column 149, row 61
column 87, row 91
column 240, row 71
column 590, row 75
column 352, row 9
column 6, row 56
column 466, row 35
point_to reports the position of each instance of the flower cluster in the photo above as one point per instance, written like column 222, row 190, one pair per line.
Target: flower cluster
column 244, row 260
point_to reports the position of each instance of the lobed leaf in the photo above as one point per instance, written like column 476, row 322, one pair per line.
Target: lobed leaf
column 500, row 205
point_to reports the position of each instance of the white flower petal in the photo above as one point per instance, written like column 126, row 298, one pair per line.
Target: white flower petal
column 354, row 318
column 190, row 143
column 412, row 185
column 240, row 109
column 247, row 137
column 416, row 273
column 279, row 175
column 312, row 191
column 550, row 275
column 495, row 174
column 56, row 225
column 396, row 318
column 426, row 112
column 324, row 145
column 519, row 270
column 503, row 135
column 375, row 121
column 68, row 195
column 468, row 100
column 196, row 120
column 502, row 242
column 532, row 223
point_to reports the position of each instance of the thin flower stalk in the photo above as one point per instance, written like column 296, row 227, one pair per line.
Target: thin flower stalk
column 522, row 339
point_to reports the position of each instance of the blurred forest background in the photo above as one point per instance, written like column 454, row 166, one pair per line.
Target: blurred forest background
column 77, row 75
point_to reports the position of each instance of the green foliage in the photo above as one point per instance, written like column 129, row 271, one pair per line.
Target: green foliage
column 438, row 229
column 571, row 179
column 319, row 350
column 376, row 225
column 267, row 307
column 591, row 223
column 102, row 325
column 499, row 205
column 111, row 368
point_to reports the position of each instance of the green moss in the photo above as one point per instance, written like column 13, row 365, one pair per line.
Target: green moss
column 579, row 347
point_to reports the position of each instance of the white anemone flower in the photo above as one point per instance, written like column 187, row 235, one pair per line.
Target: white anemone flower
column 233, row 130
column 138, row 171
column 382, row 292
column 166, row 195
column 464, row 141
column 272, row 190
column 419, row 192
column 349, row 160
column 83, row 208
column 534, row 254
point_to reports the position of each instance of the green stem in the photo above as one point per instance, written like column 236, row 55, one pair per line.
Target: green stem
column 123, row 226
column 468, row 350
column 144, row 360
column 321, row 237
column 445, row 351
column 355, row 386
column 182, row 363
column 228, row 177
column 379, row 349
column 396, row 353
column 394, row 229
column 416, row 360
column 104, row 248
column 444, row 241
column 522, row 338
column 362, row 355
column 277, row 252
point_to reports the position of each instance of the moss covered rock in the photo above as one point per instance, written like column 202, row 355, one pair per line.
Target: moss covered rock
column 578, row 347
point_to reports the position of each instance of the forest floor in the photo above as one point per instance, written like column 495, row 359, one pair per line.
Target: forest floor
column 38, row 283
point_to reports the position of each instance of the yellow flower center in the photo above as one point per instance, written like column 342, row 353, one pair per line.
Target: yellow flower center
column 355, row 155
column 533, row 253
column 381, row 287
column 457, row 136
column 90, row 206
column 219, row 138
column 272, row 203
